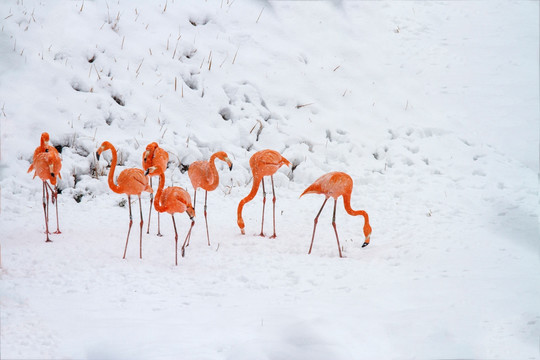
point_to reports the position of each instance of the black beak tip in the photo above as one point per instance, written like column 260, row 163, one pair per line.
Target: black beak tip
column 146, row 172
column 52, row 174
column 97, row 155
column 365, row 244
column 230, row 167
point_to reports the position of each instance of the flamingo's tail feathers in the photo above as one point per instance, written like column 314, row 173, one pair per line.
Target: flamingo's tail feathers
column 30, row 168
column 312, row 189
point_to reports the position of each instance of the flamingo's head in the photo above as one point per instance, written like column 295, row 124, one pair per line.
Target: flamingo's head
column 153, row 170
column 222, row 155
column 367, row 234
column 150, row 148
column 104, row 146
column 190, row 211
column 53, row 175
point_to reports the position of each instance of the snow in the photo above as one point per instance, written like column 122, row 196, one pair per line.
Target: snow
column 431, row 107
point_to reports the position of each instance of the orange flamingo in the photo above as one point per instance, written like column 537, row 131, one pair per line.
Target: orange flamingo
column 263, row 163
column 154, row 156
column 47, row 165
column 203, row 174
column 130, row 182
column 336, row 184
column 172, row 200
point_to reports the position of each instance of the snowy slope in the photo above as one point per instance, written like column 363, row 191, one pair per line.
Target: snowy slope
column 431, row 107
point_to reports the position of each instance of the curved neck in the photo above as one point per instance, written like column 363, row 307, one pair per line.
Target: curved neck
column 157, row 199
column 112, row 185
column 249, row 197
column 350, row 211
column 213, row 165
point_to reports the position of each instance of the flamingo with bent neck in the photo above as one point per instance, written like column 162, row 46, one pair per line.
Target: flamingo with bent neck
column 130, row 182
column 154, row 156
column 336, row 184
column 263, row 163
column 172, row 200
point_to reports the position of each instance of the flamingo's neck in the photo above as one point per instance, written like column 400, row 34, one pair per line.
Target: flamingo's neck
column 251, row 195
column 157, row 199
column 112, row 185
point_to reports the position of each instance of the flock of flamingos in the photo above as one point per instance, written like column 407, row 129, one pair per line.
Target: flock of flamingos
column 203, row 174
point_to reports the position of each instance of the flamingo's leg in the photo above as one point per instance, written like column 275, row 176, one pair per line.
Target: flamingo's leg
column 175, row 241
column 55, row 197
column 46, row 210
column 194, row 204
column 187, row 237
column 315, row 224
column 130, row 223
column 273, row 207
column 264, row 203
column 205, row 218
column 335, row 229
column 150, row 211
column 141, row 230
column 158, row 226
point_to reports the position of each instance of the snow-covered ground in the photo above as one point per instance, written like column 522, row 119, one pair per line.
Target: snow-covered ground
column 431, row 107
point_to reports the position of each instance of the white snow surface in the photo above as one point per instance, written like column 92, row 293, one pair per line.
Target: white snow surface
column 431, row 107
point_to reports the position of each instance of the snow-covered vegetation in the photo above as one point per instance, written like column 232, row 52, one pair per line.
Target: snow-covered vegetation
column 431, row 107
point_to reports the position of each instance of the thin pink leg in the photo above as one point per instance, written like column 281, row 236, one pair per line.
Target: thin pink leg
column 46, row 210
column 54, row 198
column 273, row 207
column 187, row 237
column 194, row 204
column 130, row 223
column 264, row 203
column 140, row 232
column 175, row 241
column 315, row 225
column 150, row 211
column 205, row 218
column 335, row 229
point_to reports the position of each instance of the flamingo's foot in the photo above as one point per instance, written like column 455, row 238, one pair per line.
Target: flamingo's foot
column 57, row 232
column 183, row 251
column 261, row 235
column 273, row 236
column 159, row 234
column 48, row 240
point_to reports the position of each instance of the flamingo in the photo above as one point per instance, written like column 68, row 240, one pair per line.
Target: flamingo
column 130, row 182
column 203, row 174
column 46, row 165
column 336, row 184
column 154, row 156
column 263, row 163
column 172, row 200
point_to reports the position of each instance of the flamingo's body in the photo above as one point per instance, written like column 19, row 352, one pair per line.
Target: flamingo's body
column 172, row 200
column 154, row 156
column 334, row 185
column 262, row 163
column 204, row 174
column 130, row 182
column 46, row 165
